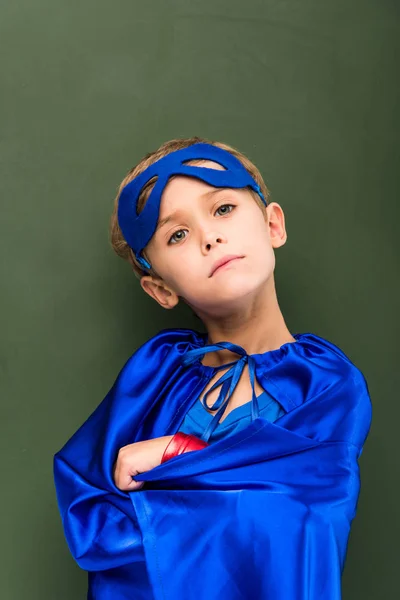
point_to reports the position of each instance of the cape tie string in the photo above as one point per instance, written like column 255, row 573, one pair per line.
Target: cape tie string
column 228, row 381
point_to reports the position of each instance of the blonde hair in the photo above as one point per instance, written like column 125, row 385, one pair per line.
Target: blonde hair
column 118, row 241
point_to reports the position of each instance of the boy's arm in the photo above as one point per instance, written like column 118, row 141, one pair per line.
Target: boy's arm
column 100, row 527
column 99, row 520
column 138, row 458
column 143, row 456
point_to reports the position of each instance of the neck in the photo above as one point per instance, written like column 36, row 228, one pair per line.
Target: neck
column 258, row 328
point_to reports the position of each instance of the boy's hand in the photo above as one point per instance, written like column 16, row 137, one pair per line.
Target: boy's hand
column 138, row 458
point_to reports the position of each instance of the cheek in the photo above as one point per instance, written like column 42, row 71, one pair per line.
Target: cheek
column 255, row 237
column 251, row 223
column 257, row 246
column 181, row 272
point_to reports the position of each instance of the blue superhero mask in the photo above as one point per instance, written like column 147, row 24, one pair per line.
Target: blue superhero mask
column 138, row 229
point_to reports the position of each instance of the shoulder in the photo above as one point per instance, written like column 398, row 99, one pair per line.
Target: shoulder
column 178, row 338
column 330, row 359
column 340, row 377
column 335, row 388
column 331, row 371
column 168, row 344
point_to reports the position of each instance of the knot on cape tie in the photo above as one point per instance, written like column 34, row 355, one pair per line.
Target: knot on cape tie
column 228, row 381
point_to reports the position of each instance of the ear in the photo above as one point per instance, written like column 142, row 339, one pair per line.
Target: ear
column 161, row 293
column 276, row 225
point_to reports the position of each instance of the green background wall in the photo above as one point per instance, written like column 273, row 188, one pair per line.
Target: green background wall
column 310, row 91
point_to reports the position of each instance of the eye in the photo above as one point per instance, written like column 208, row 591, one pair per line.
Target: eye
column 176, row 239
column 224, row 206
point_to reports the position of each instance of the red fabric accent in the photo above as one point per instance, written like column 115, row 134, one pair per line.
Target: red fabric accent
column 181, row 443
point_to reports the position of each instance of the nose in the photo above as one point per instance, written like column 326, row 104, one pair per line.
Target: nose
column 211, row 239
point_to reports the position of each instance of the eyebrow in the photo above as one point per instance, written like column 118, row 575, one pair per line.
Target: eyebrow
column 176, row 213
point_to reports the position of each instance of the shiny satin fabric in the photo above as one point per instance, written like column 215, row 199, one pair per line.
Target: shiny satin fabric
column 263, row 513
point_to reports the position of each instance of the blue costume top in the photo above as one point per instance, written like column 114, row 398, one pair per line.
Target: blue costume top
column 264, row 512
column 197, row 418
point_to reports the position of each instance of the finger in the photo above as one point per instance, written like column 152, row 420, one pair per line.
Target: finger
column 132, row 485
column 125, row 481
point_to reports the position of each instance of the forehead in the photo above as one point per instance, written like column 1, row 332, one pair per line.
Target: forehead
column 181, row 189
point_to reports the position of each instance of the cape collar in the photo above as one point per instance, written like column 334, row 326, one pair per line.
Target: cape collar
column 229, row 380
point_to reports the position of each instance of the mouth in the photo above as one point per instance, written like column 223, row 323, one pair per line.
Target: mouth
column 224, row 264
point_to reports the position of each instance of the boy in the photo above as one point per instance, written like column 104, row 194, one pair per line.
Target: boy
column 201, row 474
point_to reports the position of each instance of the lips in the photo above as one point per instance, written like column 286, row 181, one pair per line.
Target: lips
column 223, row 261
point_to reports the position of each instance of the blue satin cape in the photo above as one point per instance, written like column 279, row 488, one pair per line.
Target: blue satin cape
column 262, row 513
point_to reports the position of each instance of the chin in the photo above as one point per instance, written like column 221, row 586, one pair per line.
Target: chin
column 230, row 297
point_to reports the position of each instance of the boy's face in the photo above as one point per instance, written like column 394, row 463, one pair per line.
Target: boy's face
column 211, row 223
